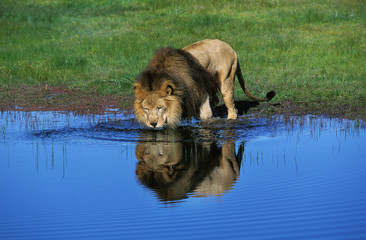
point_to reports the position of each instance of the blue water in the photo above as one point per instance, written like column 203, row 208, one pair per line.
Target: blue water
column 64, row 176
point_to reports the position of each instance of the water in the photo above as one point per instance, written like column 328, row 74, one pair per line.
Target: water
column 104, row 177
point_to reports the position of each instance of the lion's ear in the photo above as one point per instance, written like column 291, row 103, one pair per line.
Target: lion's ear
column 166, row 89
column 169, row 90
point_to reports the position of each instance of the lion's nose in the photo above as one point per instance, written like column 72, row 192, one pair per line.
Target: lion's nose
column 154, row 124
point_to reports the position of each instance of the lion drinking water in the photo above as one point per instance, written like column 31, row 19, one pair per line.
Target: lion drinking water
column 184, row 83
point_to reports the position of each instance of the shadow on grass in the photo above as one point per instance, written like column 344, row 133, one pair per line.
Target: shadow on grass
column 241, row 105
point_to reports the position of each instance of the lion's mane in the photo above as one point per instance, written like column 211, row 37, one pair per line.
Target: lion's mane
column 175, row 76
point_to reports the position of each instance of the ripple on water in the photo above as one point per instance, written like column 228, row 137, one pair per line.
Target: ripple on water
column 64, row 176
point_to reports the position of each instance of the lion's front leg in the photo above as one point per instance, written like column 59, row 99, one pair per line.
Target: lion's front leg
column 205, row 109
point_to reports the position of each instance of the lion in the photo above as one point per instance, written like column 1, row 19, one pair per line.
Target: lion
column 222, row 61
column 184, row 82
column 173, row 85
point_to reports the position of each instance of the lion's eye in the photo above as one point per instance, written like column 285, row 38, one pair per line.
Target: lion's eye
column 146, row 109
column 159, row 108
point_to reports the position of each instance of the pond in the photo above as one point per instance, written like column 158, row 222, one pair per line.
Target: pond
column 66, row 176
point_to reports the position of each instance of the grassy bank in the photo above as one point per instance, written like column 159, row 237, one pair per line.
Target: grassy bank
column 311, row 52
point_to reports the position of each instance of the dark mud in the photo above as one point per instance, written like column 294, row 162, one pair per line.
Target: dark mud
column 43, row 98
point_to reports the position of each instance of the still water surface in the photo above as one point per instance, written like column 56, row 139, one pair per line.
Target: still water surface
column 104, row 177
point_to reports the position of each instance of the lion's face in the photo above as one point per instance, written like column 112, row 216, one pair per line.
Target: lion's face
column 155, row 110
column 159, row 108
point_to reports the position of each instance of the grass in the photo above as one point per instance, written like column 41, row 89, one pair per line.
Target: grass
column 311, row 52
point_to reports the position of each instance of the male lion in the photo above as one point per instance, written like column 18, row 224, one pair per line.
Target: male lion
column 222, row 61
column 173, row 85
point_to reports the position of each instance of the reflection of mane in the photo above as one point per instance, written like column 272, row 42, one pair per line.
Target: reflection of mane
column 173, row 168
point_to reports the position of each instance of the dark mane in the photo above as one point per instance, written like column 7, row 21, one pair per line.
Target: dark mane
column 188, row 78
column 152, row 80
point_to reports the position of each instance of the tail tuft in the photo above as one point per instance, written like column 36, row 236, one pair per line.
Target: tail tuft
column 270, row 95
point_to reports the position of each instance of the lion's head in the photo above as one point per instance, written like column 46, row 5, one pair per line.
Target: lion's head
column 156, row 104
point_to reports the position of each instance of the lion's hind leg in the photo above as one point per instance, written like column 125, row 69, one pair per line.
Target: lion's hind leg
column 227, row 90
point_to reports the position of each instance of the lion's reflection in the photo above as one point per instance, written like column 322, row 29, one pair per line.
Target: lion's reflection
column 176, row 167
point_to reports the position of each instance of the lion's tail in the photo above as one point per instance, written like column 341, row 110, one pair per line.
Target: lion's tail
column 268, row 96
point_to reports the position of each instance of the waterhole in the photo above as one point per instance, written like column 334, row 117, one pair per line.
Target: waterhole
column 66, row 176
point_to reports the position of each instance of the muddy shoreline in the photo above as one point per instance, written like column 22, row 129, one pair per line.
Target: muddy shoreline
column 45, row 98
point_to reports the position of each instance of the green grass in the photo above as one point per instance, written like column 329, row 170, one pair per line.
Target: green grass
column 308, row 51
